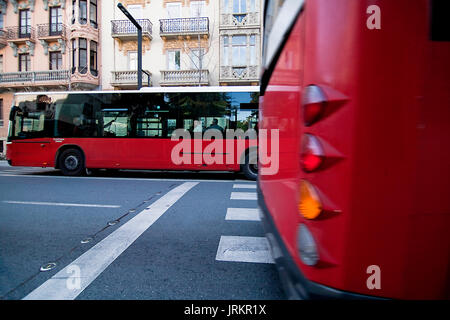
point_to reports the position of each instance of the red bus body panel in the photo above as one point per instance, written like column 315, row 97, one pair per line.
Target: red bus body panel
column 390, row 186
column 128, row 153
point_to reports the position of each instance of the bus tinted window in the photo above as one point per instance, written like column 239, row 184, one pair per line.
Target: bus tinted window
column 440, row 23
column 133, row 115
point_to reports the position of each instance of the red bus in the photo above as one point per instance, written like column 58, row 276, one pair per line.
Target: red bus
column 155, row 128
column 359, row 92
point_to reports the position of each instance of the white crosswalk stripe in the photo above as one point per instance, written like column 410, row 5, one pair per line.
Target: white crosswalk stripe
column 244, row 214
column 244, row 186
column 243, row 248
column 243, row 196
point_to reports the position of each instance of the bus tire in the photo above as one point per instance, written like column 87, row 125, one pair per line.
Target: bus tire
column 71, row 162
column 250, row 168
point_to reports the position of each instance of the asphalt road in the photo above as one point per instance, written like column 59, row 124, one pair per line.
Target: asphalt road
column 132, row 235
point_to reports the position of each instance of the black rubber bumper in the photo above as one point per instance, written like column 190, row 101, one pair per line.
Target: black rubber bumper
column 295, row 285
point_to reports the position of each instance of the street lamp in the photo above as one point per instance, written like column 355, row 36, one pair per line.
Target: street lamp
column 139, row 30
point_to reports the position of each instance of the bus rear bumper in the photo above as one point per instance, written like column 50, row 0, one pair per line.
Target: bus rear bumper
column 295, row 284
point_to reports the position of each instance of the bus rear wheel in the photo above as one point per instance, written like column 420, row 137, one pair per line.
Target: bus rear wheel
column 71, row 162
column 250, row 167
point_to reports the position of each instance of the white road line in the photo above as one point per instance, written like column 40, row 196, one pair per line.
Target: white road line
column 244, row 186
column 243, row 196
column 112, row 178
column 244, row 214
column 68, row 283
column 244, row 249
column 63, row 204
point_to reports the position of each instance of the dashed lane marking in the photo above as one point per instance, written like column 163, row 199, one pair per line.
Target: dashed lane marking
column 65, row 285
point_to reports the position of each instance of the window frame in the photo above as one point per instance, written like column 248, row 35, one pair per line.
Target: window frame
column 27, row 62
column 93, row 57
column 82, row 63
column 93, row 13
column 58, row 60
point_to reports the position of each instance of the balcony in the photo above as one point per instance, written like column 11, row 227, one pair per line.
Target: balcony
column 184, row 77
column 184, row 27
column 125, row 30
column 3, row 41
column 51, row 31
column 35, row 78
column 239, row 74
column 128, row 79
column 20, row 34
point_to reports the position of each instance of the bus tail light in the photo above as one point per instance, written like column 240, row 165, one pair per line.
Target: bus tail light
column 312, row 154
column 314, row 102
column 307, row 247
column 309, row 204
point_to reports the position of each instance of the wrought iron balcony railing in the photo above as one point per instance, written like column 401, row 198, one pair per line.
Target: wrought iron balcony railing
column 22, row 32
column 129, row 78
column 35, row 76
column 51, row 30
column 184, row 26
column 126, row 28
column 184, row 77
column 2, row 38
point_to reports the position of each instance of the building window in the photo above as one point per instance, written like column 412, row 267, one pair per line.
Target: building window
column 1, row 122
column 239, row 44
column 55, row 60
column 56, row 20
column 135, row 10
column 132, row 60
column 226, row 6
column 197, row 9
column 173, row 10
column 252, row 6
column 252, row 50
column 93, row 13
column 74, row 55
column 1, row 63
column 82, row 61
column 239, row 6
column 93, row 58
column 24, row 62
column 196, row 55
column 173, row 60
column 83, row 12
column 226, row 51
column 24, row 23
column 74, row 3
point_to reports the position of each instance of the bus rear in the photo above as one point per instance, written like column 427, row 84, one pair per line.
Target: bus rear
column 359, row 93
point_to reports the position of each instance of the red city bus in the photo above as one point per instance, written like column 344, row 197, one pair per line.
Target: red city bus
column 359, row 92
column 145, row 129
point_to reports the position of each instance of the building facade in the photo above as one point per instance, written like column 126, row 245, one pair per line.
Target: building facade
column 185, row 43
column 47, row 45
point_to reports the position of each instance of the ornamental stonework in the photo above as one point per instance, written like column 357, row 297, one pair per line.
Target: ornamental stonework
column 131, row 2
column 84, row 31
column 183, row 2
column 186, row 44
column 127, row 46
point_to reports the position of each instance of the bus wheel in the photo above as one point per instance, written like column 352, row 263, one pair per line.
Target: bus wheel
column 71, row 162
column 250, row 168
